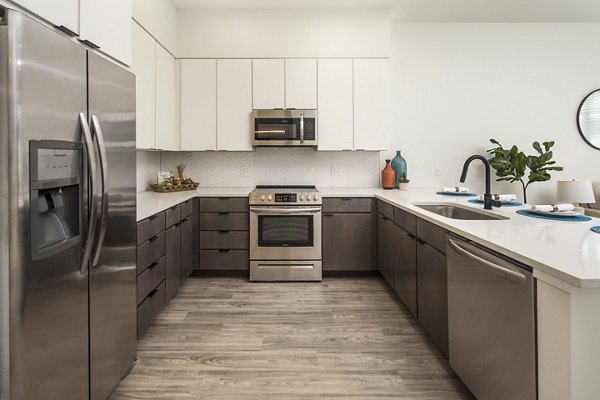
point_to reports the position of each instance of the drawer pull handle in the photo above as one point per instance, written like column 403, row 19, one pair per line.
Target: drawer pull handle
column 346, row 198
column 153, row 238
column 223, row 250
column 184, row 220
column 223, row 213
column 328, row 215
column 223, row 198
column 154, row 264
column 152, row 293
column 410, row 235
column 223, row 231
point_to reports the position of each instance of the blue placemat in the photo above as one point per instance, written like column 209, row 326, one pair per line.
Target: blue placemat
column 456, row 194
column 508, row 204
column 596, row 229
column 575, row 218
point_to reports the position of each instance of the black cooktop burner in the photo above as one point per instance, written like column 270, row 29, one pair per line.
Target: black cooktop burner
column 285, row 187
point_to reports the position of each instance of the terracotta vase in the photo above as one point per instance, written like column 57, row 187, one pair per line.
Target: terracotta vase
column 388, row 176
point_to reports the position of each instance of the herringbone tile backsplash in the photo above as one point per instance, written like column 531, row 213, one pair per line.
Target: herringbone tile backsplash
column 267, row 166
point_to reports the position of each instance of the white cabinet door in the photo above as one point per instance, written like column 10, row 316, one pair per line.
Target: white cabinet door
column 268, row 83
column 234, row 104
column 144, row 67
column 301, row 83
column 57, row 12
column 107, row 23
column 335, row 128
column 198, row 105
column 167, row 137
column 371, row 104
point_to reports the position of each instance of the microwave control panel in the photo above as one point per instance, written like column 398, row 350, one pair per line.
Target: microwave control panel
column 309, row 129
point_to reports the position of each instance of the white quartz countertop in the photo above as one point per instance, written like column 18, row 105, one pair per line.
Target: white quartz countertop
column 569, row 251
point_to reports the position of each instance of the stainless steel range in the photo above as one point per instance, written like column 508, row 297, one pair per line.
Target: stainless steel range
column 285, row 233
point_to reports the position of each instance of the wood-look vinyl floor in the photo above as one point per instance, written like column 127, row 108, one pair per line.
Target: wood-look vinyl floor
column 344, row 338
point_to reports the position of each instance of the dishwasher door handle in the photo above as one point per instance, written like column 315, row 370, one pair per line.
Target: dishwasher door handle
column 500, row 270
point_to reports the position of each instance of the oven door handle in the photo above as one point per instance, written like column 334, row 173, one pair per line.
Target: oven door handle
column 260, row 210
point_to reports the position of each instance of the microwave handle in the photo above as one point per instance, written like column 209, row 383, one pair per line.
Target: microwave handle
column 301, row 128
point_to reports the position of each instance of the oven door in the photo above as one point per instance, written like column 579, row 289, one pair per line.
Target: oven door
column 285, row 233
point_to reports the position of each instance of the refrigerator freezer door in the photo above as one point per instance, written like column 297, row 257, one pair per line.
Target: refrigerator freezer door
column 44, row 298
column 113, row 270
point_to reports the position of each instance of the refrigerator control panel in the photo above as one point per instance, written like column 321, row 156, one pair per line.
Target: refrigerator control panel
column 57, row 164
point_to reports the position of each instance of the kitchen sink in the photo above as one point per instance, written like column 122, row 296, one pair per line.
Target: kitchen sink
column 456, row 211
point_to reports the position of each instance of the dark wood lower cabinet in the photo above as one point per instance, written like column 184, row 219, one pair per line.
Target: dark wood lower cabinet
column 385, row 248
column 347, row 243
column 187, row 248
column 173, row 260
column 432, row 283
column 405, row 268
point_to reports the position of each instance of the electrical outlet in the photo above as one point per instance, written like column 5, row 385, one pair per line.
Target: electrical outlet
column 437, row 170
column 245, row 172
column 336, row 171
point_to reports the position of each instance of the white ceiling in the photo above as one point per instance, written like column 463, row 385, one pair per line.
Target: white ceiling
column 426, row 10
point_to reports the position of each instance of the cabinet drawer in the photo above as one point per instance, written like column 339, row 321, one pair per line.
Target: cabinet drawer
column 224, row 204
column 432, row 234
column 149, row 309
column 347, row 204
column 224, row 221
column 186, row 208
column 172, row 216
column 150, row 251
column 150, row 279
column 224, row 240
column 405, row 220
column 224, row 259
column 150, row 227
column 385, row 209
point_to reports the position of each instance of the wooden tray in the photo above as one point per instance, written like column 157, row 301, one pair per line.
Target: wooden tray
column 174, row 188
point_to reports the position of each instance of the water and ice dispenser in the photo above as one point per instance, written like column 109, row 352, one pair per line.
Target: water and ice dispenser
column 56, row 196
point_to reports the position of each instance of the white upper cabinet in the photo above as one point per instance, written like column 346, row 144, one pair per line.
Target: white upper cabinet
column 301, row 83
column 198, row 105
column 107, row 23
column 335, row 115
column 144, row 68
column 234, row 104
column 167, row 136
column 268, row 82
column 58, row 12
column 371, row 104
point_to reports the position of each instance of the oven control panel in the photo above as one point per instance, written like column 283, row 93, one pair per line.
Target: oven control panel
column 285, row 198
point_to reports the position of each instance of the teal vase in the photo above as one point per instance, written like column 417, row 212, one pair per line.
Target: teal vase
column 399, row 167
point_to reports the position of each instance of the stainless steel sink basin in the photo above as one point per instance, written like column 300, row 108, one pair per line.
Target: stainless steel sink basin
column 457, row 211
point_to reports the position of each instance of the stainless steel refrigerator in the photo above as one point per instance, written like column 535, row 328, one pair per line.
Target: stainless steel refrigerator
column 67, row 216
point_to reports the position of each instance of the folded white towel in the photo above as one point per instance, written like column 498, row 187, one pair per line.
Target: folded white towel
column 504, row 198
column 455, row 189
column 552, row 207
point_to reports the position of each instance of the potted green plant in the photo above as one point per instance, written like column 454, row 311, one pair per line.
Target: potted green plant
column 403, row 182
column 511, row 165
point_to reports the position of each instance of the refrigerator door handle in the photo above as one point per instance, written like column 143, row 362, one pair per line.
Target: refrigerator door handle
column 99, row 139
column 93, row 214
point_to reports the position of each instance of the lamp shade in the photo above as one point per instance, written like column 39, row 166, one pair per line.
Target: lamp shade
column 575, row 192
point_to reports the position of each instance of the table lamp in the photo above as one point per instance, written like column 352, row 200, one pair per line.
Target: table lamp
column 575, row 192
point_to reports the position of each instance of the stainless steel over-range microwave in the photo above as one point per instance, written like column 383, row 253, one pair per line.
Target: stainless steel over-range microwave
column 289, row 127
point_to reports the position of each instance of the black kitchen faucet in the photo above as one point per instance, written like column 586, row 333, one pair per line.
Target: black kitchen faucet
column 488, row 202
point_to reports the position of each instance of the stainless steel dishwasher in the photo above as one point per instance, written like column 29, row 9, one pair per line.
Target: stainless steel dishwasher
column 491, row 323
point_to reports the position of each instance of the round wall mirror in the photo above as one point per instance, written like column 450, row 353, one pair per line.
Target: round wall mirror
column 588, row 119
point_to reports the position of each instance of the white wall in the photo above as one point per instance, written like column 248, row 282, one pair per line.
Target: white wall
column 258, row 34
column 267, row 166
column 158, row 17
column 457, row 85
